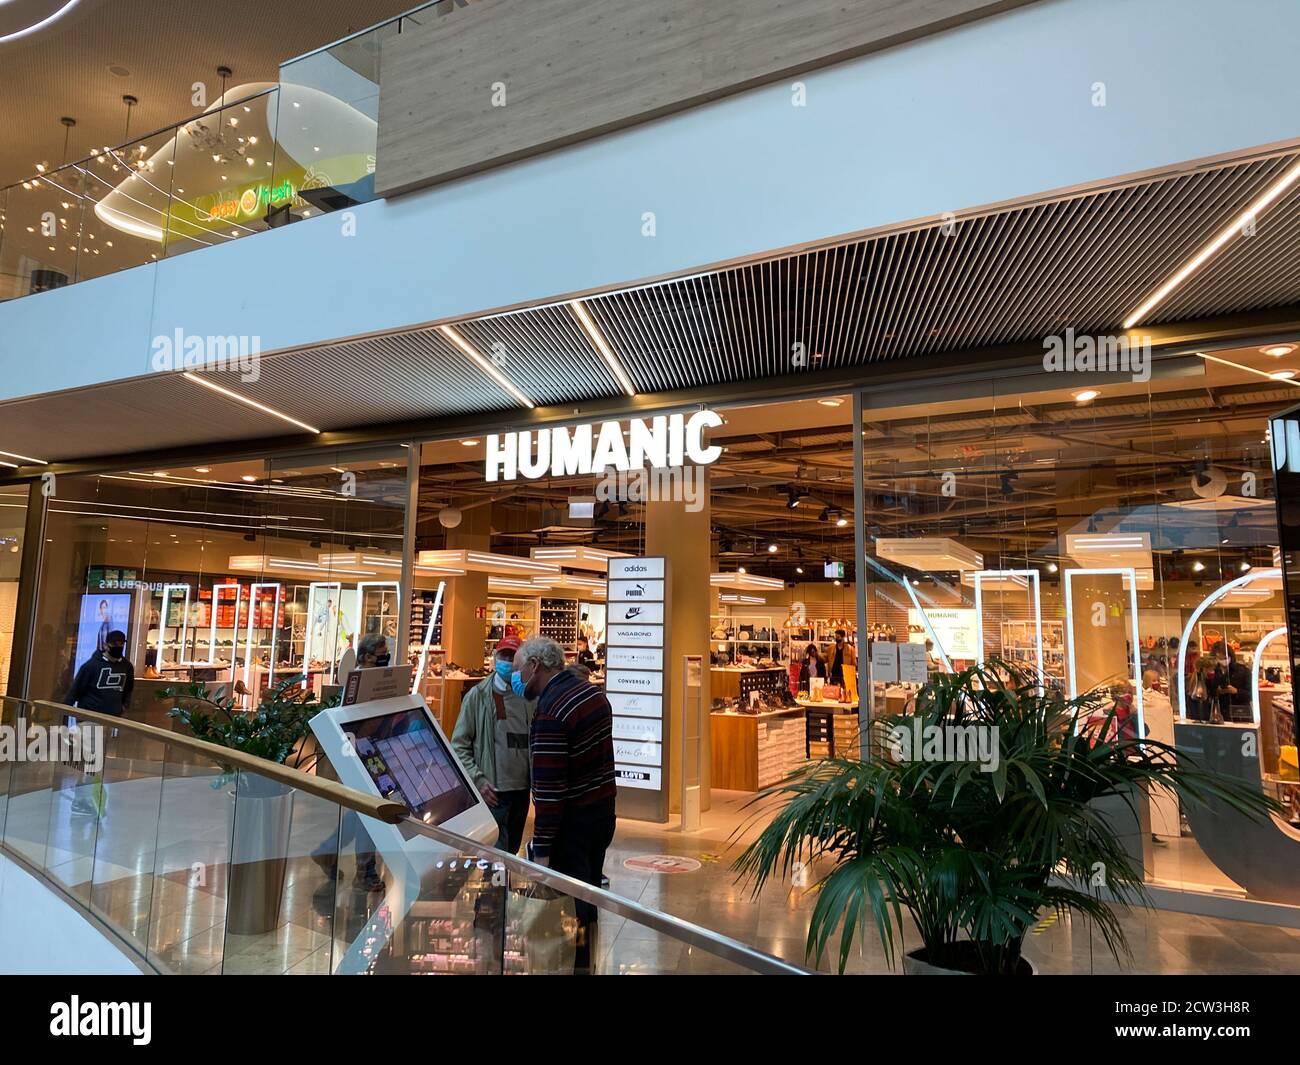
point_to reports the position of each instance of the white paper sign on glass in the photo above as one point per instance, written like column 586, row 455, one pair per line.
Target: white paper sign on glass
column 634, row 636
column 636, row 592
column 634, row 658
column 642, row 613
column 884, row 661
column 627, row 680
column 636, row 568
column 635, row 753
column 644, row 729
column 636, row 704
column 631, row 776
column 912, row 663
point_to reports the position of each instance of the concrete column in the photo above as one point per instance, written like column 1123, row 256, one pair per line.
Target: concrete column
column 462, row 628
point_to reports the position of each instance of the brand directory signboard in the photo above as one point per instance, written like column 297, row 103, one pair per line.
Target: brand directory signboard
column 636, row 662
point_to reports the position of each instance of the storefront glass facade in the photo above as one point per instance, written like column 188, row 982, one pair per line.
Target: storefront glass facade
column 1087, row 537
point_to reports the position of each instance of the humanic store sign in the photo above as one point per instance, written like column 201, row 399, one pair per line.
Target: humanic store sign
column 662, row 442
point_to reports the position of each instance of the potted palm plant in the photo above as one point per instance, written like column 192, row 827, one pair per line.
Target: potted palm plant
column 976, row 849
column 276, row 730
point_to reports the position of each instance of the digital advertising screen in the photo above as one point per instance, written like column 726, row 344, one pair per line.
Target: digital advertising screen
column 100, row 614
column 409, row 763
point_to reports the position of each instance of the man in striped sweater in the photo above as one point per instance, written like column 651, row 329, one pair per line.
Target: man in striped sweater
column 572, row 746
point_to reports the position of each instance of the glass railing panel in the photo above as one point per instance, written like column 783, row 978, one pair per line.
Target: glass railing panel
column 328, row 127
column 440, row 911
column 42, row 216
column 27, row 817
column 127, row 205
column 282, row 882
column 223, row 185
column 75, row 751
column 196, row 818
column 124, row 803
column 8, row 721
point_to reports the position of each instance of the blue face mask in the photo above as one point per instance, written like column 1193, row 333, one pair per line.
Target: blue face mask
column 504, row 668
column 517, row 684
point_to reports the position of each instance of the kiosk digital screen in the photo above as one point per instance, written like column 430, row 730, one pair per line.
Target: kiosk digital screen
column 409, row 763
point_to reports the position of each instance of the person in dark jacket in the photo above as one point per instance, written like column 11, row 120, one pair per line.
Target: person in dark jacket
column 104, row 683
column 572, row 747
column 813, row 666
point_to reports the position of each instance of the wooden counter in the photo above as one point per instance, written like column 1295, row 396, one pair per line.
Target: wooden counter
column 751, row 751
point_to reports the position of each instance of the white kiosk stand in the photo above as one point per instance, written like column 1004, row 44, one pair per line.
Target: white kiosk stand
column 393, row 747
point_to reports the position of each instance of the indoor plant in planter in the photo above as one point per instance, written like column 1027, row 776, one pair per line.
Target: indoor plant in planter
column 977, row 849
column 263, row 811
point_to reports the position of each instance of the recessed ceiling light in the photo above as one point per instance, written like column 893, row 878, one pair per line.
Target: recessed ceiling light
column 1086, row 396
column 119, row 71
column 1278, row 350
column 772, row 549
column 831, row 402
column 159, row 473
column 1282, row 375
column 469, row 443
column 740, row 569
column 248, row 477
column 202, row 469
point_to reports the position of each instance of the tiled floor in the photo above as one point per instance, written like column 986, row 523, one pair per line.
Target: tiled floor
column 162, row 881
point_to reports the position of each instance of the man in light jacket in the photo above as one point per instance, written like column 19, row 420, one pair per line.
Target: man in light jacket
column 491, row 741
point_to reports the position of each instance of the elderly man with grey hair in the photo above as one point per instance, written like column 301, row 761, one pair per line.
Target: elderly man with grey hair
column 572, row 747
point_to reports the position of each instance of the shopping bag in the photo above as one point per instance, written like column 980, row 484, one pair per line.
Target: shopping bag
column 548, row 929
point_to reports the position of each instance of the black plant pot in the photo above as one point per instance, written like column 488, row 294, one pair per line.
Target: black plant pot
column 915, row 963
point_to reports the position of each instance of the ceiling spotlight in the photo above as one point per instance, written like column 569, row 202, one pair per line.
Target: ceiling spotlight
column 841, row 521
column 771, row 549
column 741, row 569
column 1051, row 567
column 1086, row 396
column 794, row 494
column 825, row 514
column 1282, row 375
column 798, row 569
column 1278, row 350
column 1198, row 566
column 1245, row 566
column 837, row 584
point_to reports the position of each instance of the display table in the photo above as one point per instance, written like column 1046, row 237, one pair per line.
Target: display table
column 752, row 751
column 734, row 682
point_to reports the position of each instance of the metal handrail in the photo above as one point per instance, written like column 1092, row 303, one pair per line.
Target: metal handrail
column 85, row 159
column 380, row 809
column 673, row 927
column 396, row 813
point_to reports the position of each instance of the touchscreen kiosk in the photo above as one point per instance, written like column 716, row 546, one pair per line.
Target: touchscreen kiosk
column 394, row 748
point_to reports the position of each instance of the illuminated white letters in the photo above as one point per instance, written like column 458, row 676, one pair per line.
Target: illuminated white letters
column 662, row 442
